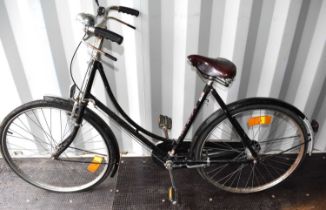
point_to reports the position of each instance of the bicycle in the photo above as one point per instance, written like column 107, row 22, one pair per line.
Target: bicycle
column 247, row 146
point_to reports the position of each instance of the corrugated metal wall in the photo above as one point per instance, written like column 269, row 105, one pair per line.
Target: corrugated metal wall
column 277, row 45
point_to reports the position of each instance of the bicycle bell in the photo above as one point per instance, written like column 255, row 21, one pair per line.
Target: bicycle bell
column 86, row 19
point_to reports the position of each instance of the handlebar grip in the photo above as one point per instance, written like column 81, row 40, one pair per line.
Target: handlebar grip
column 107, row 34
column 128, row 10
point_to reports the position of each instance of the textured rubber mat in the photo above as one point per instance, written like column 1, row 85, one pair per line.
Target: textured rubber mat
column 143, row 185
column 17, row 194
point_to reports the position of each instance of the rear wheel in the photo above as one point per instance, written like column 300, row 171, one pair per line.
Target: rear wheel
column 31, row 134
column 277, row 135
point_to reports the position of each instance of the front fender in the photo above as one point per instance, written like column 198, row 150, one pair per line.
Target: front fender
column 102, row 124
column 251, row 101
column 58, row 99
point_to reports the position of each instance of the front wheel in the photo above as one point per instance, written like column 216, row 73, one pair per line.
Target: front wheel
column 277, row 135
column 31, row 134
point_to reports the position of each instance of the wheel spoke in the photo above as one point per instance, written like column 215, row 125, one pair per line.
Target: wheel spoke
column 279, row 153
column 279, row 139
column 32, row 137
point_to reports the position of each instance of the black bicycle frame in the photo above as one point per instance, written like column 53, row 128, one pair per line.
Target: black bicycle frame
column 136, row 130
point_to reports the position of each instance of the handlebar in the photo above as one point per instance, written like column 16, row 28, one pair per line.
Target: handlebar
column 100, row 28
column 107, row 34
column 128, row 10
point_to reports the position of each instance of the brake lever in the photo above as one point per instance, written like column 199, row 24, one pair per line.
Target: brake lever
column 101, row 51
column 120, row 21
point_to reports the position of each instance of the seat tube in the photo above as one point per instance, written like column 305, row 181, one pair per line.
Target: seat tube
column 244, row 137
column 193, row 116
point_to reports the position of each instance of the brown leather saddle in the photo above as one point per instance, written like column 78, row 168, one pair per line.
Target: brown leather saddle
column 214, row 68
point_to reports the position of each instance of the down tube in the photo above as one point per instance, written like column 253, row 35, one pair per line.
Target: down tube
column 129, row 128
column 120, row 110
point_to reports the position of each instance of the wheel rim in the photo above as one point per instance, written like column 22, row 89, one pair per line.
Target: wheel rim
column 281, row 148
column 31, row 138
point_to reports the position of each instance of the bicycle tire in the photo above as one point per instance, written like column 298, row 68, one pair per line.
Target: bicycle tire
column 232, row 176
column 30, row 156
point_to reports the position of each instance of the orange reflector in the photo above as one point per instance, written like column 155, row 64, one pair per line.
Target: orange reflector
column 96, row 162
column 170, row 193
column 261, row 120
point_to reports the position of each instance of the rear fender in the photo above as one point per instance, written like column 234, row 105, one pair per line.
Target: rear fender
column 251, row 101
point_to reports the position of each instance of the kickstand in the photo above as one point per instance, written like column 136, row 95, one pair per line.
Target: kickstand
column 172, row 191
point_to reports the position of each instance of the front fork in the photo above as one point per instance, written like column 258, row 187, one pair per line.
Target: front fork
column 78, row 110
column 76, row 118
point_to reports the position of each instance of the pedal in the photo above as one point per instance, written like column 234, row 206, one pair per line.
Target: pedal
column 165, row 122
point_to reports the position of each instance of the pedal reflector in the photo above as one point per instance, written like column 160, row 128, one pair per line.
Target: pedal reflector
column 261, row 120
column 172, row 195
column 95, row 164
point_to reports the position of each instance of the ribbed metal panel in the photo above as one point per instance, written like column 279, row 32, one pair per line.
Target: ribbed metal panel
column 277, row 45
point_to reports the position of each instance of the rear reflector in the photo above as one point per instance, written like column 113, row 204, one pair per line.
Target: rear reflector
column 261, row 120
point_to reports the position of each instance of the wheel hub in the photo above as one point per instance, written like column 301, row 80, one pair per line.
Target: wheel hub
column 256, row 147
